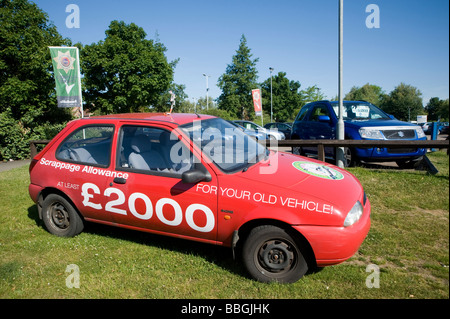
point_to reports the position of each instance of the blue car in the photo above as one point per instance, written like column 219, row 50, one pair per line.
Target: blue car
column 363, row 121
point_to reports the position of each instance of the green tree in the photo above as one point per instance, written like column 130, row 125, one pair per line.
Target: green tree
column 201, row 103
column 368, row 92
column 312, row 93
column 27, row 87
column 286, row 97
column 237, row 82
column 125, row 72
column 435, row 108
column 163, row 104
column 404, row 102
column 444, row 110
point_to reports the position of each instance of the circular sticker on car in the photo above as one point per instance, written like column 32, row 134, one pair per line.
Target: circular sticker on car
column 318, row 170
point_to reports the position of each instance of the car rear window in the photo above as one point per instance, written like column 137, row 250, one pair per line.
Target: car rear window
column 88, row 145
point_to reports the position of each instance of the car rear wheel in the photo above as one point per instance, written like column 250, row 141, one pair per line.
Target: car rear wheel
column 60, row 217
column 408, row 164
column 272, row 254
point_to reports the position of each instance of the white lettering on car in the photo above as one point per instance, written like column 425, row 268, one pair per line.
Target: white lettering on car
column 119, row 201
column 148, row 206
column 178, row 213
column 87, row 169
column 86, row 196
column 270, row 199
column 111, row 206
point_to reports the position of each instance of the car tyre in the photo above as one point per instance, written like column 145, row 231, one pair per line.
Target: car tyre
column 272, row 254
column 298, row 150
column 408, row 164
column 350, row 158
column 60, row 217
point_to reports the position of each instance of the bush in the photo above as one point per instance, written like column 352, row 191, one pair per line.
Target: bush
column 15, row 137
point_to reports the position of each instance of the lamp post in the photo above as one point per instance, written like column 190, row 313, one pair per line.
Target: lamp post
column 271, row 106
column 207, row 89
column 340, row 157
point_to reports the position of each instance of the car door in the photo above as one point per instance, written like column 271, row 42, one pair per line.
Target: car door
column 153, row 196
column 89, row 150
column 321, row 125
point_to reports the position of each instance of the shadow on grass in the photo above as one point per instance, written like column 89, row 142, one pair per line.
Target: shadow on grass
column 218, row 255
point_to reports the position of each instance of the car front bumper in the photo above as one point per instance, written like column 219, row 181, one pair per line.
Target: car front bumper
column 333, row 245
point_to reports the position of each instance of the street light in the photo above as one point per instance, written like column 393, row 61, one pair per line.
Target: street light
column 271, row 106
column 340, row 125
column 207, row 89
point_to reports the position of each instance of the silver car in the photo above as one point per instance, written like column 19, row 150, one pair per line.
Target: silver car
column 259, row 136
column 272, row 134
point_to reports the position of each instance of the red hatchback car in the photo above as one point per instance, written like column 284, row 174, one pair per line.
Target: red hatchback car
column 198, row 177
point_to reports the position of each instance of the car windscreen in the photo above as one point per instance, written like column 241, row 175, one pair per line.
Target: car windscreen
column 360, row 111
column 225, row 144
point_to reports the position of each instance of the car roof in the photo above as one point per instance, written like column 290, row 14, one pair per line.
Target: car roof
column 176, row 118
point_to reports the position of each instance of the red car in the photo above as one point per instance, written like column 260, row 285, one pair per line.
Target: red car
column 198, row 177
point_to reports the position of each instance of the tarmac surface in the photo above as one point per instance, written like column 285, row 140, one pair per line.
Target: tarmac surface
column 6, row 166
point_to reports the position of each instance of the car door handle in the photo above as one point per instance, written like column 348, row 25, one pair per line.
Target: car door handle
column 119, row 180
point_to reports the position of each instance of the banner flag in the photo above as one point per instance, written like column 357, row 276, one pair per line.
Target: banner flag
column 66, row 68
column 257, row 103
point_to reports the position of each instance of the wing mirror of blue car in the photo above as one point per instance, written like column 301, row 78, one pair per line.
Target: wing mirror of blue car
column 324, row 118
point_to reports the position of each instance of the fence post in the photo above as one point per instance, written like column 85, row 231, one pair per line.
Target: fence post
column 33, row 150
column 321, row 152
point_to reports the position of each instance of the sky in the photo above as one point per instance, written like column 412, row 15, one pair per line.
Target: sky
column 298, row 37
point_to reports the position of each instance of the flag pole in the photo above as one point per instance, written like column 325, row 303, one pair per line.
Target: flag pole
column 79, row 83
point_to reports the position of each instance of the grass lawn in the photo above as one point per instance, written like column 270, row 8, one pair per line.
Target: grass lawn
column 408, row 243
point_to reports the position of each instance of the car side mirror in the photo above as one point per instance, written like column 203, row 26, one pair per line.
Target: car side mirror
column 194, row 176
column 324, row 118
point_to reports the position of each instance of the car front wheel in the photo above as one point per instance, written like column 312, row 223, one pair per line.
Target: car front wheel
column 272, row 254
column 60, row 217
column 350, row 158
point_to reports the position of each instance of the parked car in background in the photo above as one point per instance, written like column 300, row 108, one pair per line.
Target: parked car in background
column 424, row 126
column 441, row 129
column 363, row 121
column 427, row 128
column 259, row 136
column 444, row 128
column 281, row 127
column 272, row 134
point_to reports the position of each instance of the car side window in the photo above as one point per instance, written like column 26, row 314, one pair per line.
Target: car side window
column 87, row 145
column 319, row 110
column 147, row 149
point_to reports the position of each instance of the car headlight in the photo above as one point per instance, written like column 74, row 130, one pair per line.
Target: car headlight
column 354, row 214
column 420, row 132
column 370, row 133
